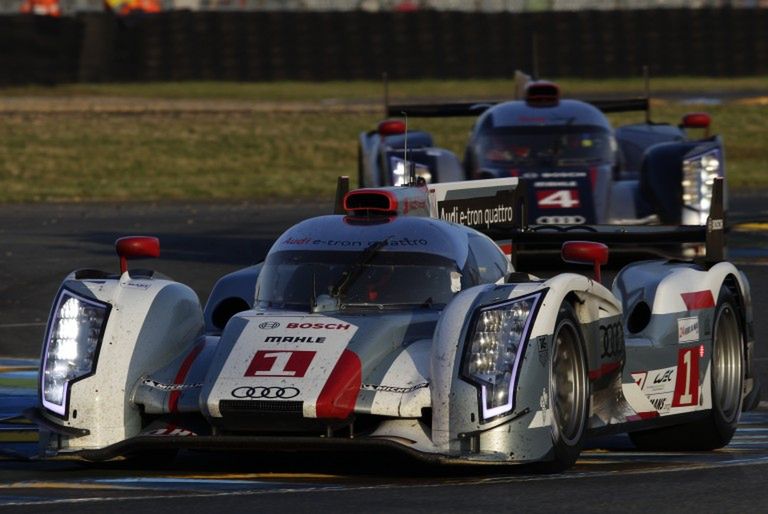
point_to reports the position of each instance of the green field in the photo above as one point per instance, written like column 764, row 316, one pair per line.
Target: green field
column 216, row 141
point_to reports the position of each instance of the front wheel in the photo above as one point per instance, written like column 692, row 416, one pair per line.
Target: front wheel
column 568, row 391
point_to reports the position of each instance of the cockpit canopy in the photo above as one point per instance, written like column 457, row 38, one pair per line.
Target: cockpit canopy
column 515, row 135
column 336, row 263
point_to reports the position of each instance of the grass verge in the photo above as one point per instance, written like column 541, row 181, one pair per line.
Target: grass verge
column 254, row 152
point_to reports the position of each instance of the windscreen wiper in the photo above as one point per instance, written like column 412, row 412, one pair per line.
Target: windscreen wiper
column 353, row 272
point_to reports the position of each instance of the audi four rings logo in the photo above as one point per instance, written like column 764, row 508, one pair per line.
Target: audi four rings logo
column 269, row 325
column 270, row 393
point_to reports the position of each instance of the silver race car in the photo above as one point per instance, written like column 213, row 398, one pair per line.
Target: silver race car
column 384, row 326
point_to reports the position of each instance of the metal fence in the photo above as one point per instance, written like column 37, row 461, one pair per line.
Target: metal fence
column 284, row 45
column 71, row 7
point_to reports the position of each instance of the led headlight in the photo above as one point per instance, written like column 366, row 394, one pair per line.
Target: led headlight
column 699, row 173
column 71, row 346
column 495, row 348
column 400, row 175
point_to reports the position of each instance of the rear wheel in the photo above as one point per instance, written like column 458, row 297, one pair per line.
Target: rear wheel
column 727, row 379
column 568, row 391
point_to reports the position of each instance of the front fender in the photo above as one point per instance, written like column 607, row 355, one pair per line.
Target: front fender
column 458, row 427
column 151, row 321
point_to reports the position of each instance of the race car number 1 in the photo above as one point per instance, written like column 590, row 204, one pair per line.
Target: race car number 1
column 687, row 383
column 279, row 363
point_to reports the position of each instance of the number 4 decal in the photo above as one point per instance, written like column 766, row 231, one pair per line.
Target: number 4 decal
column 558, row 198
column 687, row 384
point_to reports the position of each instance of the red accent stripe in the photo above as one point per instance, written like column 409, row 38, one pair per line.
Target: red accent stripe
column 698, row 300
column 173, row 398
column 506, row 248
column 643, row 415
column 605, row 369
column 339, row 395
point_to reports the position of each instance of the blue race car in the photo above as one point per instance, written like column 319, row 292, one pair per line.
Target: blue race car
column 579, row 169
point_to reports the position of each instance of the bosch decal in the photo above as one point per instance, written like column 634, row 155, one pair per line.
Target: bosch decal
column 269, row 325
column 266, row 393
column 320, row 326
column 280, row 363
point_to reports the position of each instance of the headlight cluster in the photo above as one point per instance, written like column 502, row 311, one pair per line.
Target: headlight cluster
column 400, row 175
column 71, row 347
column 494, row 352
column 699, row 172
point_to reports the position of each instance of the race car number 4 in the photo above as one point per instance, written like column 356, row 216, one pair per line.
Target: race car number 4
column 558, row 198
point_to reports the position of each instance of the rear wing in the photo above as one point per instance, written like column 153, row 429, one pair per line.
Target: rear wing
column 466, row 109
column 521, row 82
column 712, row 235
column 497, row 208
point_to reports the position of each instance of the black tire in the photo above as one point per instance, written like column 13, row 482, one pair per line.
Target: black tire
column 727, row 380
column 569, row 391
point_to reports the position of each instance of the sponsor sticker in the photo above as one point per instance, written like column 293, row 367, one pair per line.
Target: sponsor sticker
column 269, row 325
column 561, row 220
column 639, row 378
column 688, row 330
column 612, row 339
column 687, row 381
column 154, row 384
column 264, row 392
column 294, row 339
column 558, row 198
column 543, row 351
column 393, row 389
column 320, row 326
column 280, row 363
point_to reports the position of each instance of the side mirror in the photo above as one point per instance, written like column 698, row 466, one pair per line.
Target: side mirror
column 585, row 252
column 136, row 247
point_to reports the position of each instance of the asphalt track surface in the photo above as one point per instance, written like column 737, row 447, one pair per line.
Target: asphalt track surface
column 200, row 242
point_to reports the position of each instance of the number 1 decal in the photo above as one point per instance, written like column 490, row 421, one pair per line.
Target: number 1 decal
column 687, row 384
column 279, row 363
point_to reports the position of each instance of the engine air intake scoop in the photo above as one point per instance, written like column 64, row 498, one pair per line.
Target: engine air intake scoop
column 542, row 94
column 387, row 201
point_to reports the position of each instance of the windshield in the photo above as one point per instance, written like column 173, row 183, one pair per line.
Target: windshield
column 557, row 146
column 328, row 280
